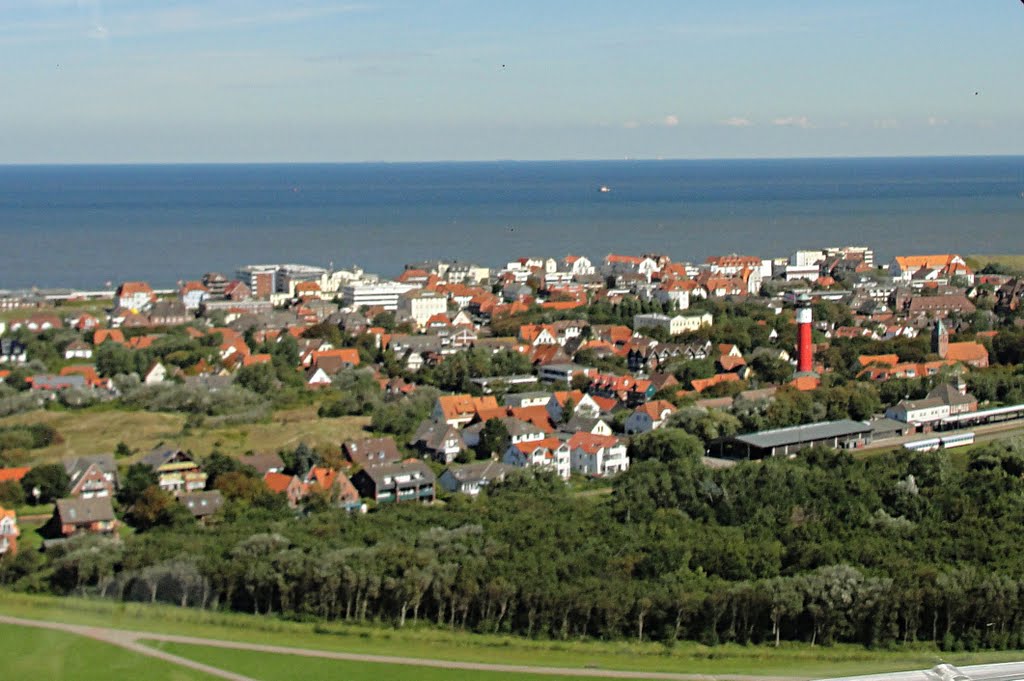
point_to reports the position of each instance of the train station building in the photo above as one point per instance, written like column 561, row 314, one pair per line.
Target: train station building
column 843, row 434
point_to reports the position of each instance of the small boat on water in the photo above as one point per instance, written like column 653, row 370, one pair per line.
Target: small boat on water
column 605, row 189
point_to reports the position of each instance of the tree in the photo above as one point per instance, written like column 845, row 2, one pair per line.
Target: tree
column 50, row 479
column 218, row 464
column 259, row 378
column 12, row 494
column 580, row 382
column 113, row 359
column 786, row 600
column 155, row 507
column 135, row 481
column 122, row 450
column 238, row 485
column 771, row 369
column 494, row 439
column 302, row 459
column 666, row 445
column 286, row 352
column 568, row 410
column 706, row 424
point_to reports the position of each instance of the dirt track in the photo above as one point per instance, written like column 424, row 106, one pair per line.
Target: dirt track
column 131, row 640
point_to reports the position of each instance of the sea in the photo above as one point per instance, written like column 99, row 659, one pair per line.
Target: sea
column 83, row 226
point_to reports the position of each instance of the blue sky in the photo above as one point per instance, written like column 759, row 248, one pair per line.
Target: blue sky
column 307, row 80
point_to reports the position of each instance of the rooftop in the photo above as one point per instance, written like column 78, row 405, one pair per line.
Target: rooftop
column 804, row 433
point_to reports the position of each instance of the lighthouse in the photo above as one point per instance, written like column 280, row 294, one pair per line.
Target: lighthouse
column 805, row 348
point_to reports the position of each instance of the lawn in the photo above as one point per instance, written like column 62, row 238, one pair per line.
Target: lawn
column 1013, row 262
column 426, row 642
column 41, row 655
column 96, row 431
column 277, row 667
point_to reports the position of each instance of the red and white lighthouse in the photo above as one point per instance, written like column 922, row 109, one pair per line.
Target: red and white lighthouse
column 804, row 345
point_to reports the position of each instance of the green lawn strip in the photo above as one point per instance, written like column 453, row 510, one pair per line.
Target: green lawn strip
column 1012, row 261
column 430, row 643
column 278, row 667
column 42, row 655
column 90, row 431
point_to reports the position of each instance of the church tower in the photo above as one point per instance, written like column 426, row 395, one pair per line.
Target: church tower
column 940, row 339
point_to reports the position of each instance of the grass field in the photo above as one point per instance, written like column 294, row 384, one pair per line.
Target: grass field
column 276, row 667
column 425, row 642
column 40, row 655
column 1014, row 262
column 92, row 432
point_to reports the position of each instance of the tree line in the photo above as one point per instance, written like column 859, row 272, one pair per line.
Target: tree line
column 825, row 548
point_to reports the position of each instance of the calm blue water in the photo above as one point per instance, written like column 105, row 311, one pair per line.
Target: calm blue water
column 84, row 225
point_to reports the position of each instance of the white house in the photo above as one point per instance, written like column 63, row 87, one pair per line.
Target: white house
column 551, row 454
column 9, row 531
column 649, row 416
column 919, row 412
column 674, row 325
column 597, row 455
column 372, row 293
column 134, row 295
column 192, row 294
column 530, row 399
column 461, row 273
column 13, row 351
column 568, row 329
column 317, row 378
column 518, row 431
column 676, row 293
column 945, row 266
column 471, row 478
column 583, row 404
column 563, row 373
column 156, row 374
column 421, row 305
column 578, row 265
column 77, row 349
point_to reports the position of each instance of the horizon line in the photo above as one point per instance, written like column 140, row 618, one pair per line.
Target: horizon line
column 638, row 159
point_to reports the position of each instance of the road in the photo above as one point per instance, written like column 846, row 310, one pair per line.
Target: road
column 131, row 640
column 1007, row 671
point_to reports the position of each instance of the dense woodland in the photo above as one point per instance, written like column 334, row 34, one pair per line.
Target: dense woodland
column 824, row 548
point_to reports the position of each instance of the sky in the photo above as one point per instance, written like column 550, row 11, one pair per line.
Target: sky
column 170, row 81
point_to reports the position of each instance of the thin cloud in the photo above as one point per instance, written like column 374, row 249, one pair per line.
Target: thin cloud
column 671, row 121
column 935, row 121
column 792, row 122
column 737, row 122
column 98, row 32
column 53, row 23
column 631, row 125
column 886, row 124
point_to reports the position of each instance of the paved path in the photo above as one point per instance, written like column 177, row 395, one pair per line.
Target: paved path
column 127, row 640
column 131, row 641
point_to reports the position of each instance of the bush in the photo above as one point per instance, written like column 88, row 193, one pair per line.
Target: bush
column 11, row 494
column 193, row 399
column 20, row 403
column 50, row 479
column 34, row 436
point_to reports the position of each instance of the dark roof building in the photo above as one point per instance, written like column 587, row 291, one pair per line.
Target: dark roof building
column 374, row 451
column 202, row 504
column 263, row 463
column 439, row 440
column 92, row 476
column 843, row 434
column 405, row 481
column 93, row 516
column 469, row 479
